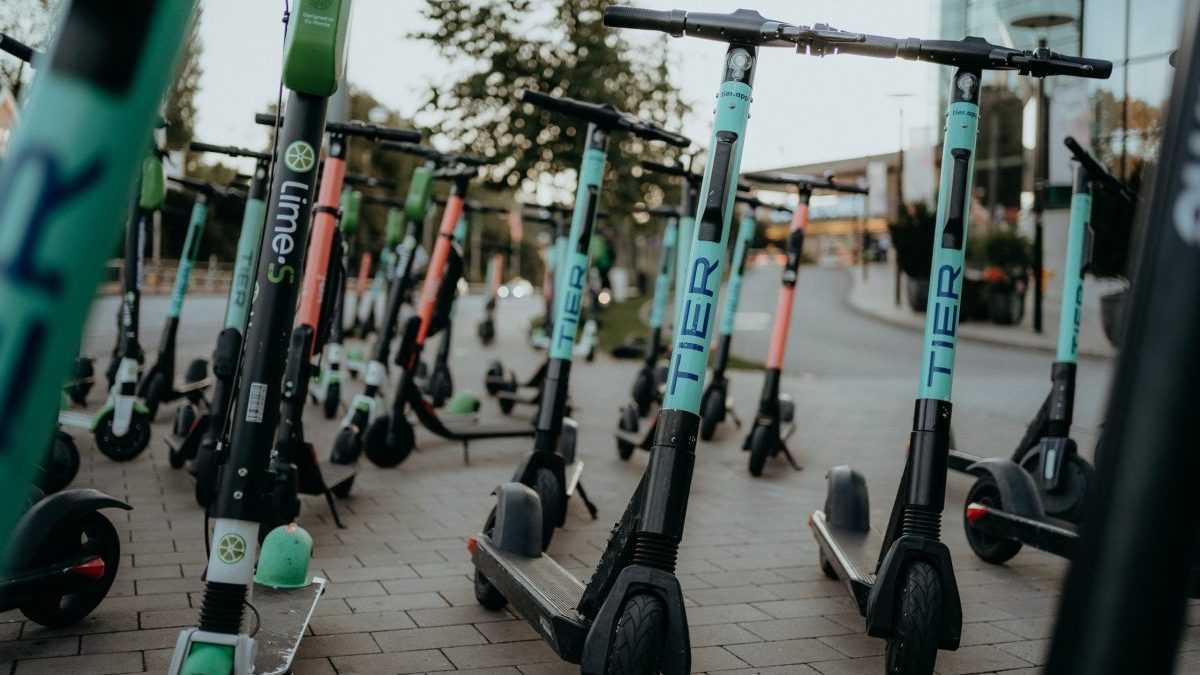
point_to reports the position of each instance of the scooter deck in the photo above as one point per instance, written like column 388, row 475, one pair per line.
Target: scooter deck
column 541, row 592
column 283, row 615
column 850, row 553
column 471, row 431
column 334, row 474
column 1050, row 535
column 79, row 420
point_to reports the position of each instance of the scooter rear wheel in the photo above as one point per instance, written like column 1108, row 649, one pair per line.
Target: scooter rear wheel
column 126, row 447
column 638, row 636
column 913, row 650
column 988, row 548
column 1066, row 500
column 62, row 603
column 333, row 400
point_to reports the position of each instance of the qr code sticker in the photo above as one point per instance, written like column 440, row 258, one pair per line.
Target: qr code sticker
column 258, row 402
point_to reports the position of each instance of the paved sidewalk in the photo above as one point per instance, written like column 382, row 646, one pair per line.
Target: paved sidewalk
column 875, row 297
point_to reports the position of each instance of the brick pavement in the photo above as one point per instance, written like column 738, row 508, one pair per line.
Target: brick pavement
column 400, row 598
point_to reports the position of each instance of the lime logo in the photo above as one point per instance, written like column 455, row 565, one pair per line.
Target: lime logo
column 300, row 157
column 231, row 549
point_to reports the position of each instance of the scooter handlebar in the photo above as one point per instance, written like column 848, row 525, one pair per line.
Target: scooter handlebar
column 372, row 132
column 17, row 48
column 605, row 116
column 229, row 150
column 970, row 52
column 743, row 26
column 1098, row 173
column 360, row 180
column 667, row 21
column 441, row 158
column 805, row 182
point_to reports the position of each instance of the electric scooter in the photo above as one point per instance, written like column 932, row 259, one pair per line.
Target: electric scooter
column 717, row 403
column 651, row 375
column 68, row 179
column 359, row 422
column 157, row 385
column 320, row 284
column 1037, row 496
column 775, row 421
column 122, row 427
column 326, row 387
column 630, row 618
column 626, row 434
column 391, row 438
column 368, row 313
column 911, row 599
column 284, row 593
column 1123, row 607
column 198, row 425
column 502, row 382
column 439, row 385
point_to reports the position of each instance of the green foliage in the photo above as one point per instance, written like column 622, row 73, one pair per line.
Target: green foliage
column 558, row 48
column 31, row 22
column 180, row 106
column 912, row 236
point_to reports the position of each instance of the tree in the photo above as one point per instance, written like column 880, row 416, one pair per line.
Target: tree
column 571, row 54
column 180, row 106
column 29, row 21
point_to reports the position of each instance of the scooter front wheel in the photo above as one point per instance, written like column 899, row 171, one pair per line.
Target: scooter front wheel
column 61, row 465
column 494, row 378
column 550, row 494
column 638, row 637
column 913, row 650
column 61, row 602
column 485, row 593
column 345, row 447
column 125, row 447
column 760, row 443
column 712, row 408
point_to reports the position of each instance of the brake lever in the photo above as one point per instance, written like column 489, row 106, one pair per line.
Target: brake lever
column 820, row 38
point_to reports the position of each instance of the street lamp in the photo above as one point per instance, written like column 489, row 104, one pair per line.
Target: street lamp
column 900, row 98
column 1041, row 14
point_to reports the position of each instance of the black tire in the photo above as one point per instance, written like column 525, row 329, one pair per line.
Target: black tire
column 485, row 593
column 61, row 464
column 82, row 386
column 1065, row 501
column 205, row 469
column 441, row 386
column 712, row 409
column 644, row 391
column 638, row 637
column 493, row 378
column 347, row 447
column 826, row 566
column 760, row 448
column 508, row 388
column 486, row 331
column 386, row 446
column 127, row 447
column 628, row 422
column 552, row 497
column 157, row 390
column 63, row 603
column 989, row 549
column 333, row 400
column 185, row 417
column 913, row 651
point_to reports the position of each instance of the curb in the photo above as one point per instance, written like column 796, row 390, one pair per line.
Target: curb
column 865, row 311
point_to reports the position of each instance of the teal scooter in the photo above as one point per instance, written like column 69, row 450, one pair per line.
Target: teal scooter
column 157, row 385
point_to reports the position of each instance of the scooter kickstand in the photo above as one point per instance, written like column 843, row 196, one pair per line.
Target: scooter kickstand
column 587, row 502
column 333, row 510
column 737, row 421
column 788, row 455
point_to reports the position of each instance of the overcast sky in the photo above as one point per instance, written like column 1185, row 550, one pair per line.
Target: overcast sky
column 805, row 109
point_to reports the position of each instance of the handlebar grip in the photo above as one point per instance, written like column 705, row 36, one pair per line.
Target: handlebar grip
column 229, row 150
column 666, row 21
column 655, row 133
column 566, row 106
column 266, row 119
column 193, row 184
column 658, row 167
column 17, row 48
column 1080, row 66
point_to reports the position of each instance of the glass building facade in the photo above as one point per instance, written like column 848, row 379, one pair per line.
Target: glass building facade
column 1120, row 118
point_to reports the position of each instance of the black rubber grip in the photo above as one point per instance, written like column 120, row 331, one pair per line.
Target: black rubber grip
column 1097, row 173
column 605, row 116
column 353, row 128
column 668, row 21
column 229, row 150
column 17, row 48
